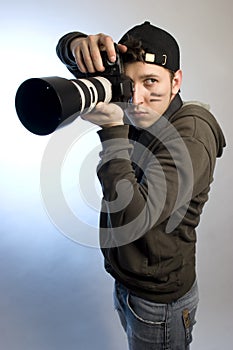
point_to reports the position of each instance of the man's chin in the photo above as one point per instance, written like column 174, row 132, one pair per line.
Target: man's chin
column 143, row 124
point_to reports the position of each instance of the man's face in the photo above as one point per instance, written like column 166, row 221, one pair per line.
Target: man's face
column 153, row 92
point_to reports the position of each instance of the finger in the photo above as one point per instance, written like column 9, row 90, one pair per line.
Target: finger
column 108, row 44
column 102, row 107
column 122, row 48
column 81, row 55
column 94, row 46
column 85, row 55
column 75, row 47
column 80, row 62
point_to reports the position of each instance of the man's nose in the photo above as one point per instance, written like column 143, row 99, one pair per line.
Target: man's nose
column 137, row 96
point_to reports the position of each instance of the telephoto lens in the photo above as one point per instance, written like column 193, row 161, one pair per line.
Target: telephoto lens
column 44, row 104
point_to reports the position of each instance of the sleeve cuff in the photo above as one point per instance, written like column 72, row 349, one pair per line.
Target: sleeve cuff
column 119, row 131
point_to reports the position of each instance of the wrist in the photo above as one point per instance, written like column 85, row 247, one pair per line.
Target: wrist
column 118, row 131
column 110, row 125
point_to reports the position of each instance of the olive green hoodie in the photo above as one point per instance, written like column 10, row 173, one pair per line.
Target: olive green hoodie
column 155, row 183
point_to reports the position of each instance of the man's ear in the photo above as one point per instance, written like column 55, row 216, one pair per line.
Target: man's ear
column 176, row 82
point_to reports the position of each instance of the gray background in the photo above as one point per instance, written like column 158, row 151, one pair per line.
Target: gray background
column 54, row 292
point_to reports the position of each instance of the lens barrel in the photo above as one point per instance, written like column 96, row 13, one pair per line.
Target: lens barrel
column 44, row 104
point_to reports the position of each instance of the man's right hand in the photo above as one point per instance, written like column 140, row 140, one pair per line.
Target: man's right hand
column 86, row 52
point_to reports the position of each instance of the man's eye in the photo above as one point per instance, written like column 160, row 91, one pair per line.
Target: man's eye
column 151, row 81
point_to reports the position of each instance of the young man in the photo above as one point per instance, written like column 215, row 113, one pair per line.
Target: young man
column 157, row 163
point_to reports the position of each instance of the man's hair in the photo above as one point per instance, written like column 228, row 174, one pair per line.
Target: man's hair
column 135, row 51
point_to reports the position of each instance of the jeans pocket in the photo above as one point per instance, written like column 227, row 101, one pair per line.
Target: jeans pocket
column 147, row 322
column 146, row 311
column 189, row 321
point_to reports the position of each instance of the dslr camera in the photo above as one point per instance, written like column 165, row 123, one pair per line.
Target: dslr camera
column 45, row 104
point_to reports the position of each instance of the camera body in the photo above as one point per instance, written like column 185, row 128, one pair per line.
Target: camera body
column 121, row 85
column 44, row 104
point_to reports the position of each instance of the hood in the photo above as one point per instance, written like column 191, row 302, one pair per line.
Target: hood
column 201, row 110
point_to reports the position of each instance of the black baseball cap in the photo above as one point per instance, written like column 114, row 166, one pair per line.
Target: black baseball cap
column 160, row 47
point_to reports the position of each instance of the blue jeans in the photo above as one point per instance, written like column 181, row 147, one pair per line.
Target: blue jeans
column 154, row 326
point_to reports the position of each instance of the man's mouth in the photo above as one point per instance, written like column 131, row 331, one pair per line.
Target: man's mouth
column 136, row 112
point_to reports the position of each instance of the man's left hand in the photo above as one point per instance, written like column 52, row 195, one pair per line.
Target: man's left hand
column 105, row 115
